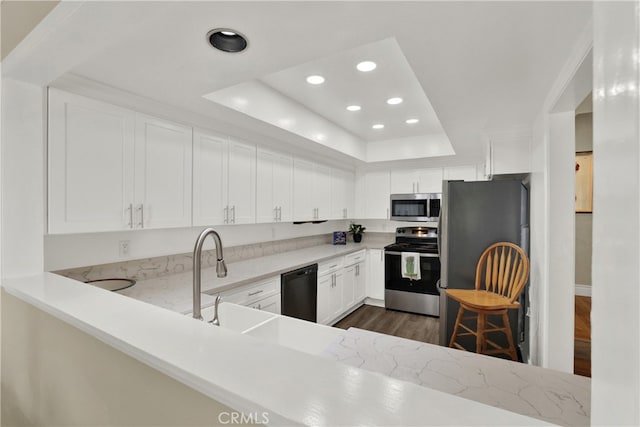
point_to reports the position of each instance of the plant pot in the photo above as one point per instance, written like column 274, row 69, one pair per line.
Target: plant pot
column 357, row 238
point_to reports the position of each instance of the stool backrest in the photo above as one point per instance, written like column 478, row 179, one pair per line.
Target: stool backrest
column 503, row 268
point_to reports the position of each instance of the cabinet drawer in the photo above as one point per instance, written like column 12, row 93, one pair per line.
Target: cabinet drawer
column 248, row 294
column 270, row 304
column 330, row 265
column 355, row 257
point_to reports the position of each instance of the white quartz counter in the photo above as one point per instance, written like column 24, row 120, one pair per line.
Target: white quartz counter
column 249, row 374
column 549, row 395
column 174, row 292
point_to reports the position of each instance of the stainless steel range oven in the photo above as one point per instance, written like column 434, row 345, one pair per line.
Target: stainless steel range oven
column 419, row 295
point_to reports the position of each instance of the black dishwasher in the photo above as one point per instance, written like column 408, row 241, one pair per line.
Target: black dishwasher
column 299, row 293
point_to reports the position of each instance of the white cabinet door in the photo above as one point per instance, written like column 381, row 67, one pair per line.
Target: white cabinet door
column 429, row 181
column 162, row 173
column 209, row 179
column 266, row 210
column 342, row 194
column 336, row 304
column 303, row 183
column 404, row 182
column 91, row 152
column 325, row 286
column 375, row 275
column 464, row 173
column 283, row 186
column 348, row 288
column 242, row 183
column 377, row 195
column 274, row 187
column 360, row 282
column 322, row 191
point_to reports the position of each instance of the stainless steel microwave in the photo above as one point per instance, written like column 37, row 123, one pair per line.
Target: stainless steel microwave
column 416, row 207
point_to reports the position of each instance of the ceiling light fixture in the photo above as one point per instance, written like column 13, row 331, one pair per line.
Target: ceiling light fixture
column 366, row 66
column 354, row 108
column 394, row 101
column 411, row 121
column 378, row 126
column 227, row 40
column 315, row 80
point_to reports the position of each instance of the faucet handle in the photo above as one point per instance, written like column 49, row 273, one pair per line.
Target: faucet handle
column 216, row 321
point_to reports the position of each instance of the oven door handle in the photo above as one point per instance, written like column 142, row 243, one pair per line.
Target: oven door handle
column 421, row 255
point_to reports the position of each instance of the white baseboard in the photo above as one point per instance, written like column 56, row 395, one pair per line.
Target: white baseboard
column 583, row 290
column 375, row 302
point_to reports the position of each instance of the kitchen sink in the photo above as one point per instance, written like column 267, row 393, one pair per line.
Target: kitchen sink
column 297, row 334
column 236, row 317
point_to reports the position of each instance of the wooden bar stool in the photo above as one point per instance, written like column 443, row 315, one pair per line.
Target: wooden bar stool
column 505, row 268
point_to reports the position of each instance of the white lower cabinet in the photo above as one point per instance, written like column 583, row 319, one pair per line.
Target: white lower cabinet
column 360, row 283
column 340, row 289
column 263, row 295
column 375, row 274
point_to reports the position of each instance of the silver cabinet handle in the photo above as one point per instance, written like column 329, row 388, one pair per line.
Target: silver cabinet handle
column 226, row 214
column 280, row 213
column 256, row 292
column 140, row 208
column 275, row 213
column 413, row 187
column 233, row 214
column 418, row 186
column 130, row 209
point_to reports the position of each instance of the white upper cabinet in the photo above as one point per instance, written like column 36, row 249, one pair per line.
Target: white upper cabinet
column 223, row 180
column 376, row 195
column 464, row 173
column 209, row 179
column 322, row 191
column 162, row 173
column 242, row 183
column 311, row 191
column 416, row 181
column 110, row 169
column 274, row 187
column 342, row 194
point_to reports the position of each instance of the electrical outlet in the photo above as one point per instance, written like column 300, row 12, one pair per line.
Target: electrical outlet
column 123, row 246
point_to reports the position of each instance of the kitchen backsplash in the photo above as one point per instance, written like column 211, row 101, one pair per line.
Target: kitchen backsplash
column 149, row 268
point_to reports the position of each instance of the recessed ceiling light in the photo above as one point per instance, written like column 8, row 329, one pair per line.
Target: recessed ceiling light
column 354, row 108
column 394, row 101
column 366, row 66
column 227, row 40
column 411, row 121
column 315, row 80
column 378, row 126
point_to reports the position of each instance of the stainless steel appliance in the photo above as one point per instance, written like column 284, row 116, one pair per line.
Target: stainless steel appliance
column 415, row 206
column 474, row 215
column 415, row 296
column 299, row 293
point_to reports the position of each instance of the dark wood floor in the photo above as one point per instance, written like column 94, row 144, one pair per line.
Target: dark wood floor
column 582, row 332
column 397, row 323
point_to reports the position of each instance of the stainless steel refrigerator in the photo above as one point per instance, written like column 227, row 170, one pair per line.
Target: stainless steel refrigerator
column 473, row 216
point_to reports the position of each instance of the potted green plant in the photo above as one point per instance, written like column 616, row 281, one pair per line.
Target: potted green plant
column 356, row 230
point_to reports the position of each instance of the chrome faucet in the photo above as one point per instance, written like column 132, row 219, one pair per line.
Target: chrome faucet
column 216, row 320
column 221, row 267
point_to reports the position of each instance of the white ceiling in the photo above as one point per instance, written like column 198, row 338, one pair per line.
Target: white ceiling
column 479, row 65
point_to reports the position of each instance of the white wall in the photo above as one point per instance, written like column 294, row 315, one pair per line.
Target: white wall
column 23, row 135
column 615, row 318
column 560, row 300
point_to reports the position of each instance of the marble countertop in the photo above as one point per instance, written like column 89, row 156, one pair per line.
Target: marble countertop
column 174, row 292
column 250, row 374
column 545, row 394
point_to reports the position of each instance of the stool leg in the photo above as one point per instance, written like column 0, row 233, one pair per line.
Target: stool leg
column 480, row 344
column 455, row 328
column 512, row 348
